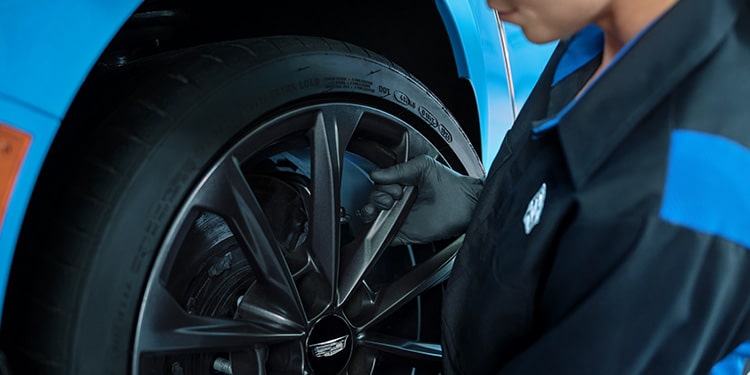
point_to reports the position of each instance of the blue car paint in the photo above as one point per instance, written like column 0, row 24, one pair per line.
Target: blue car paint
column 47, row 49
column 479, row 57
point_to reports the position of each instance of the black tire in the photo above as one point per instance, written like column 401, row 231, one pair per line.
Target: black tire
column 207, row 205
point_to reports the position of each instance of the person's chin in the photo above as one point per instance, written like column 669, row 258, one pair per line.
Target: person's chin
column 538, row 37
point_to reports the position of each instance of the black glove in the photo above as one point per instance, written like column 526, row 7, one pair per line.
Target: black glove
column 443, row 206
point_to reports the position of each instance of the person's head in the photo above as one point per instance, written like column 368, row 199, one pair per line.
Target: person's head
column 548, row 20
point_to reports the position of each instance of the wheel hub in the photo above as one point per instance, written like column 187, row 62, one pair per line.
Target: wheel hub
column 329, row 345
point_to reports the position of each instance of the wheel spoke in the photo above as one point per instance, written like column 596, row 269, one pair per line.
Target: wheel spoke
column 331, row 133
column 359, row 257
column 363, row 362
column 421, row 278
column 227, row 193
column 404, row 348
column 259, row 304
column 165, row 327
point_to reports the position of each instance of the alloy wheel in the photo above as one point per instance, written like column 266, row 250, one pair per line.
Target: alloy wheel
column 268, row 269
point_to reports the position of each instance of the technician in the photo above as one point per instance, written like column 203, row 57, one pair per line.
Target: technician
column 612, row 231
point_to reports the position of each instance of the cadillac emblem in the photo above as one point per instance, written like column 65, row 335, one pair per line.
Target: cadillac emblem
column 329, row 348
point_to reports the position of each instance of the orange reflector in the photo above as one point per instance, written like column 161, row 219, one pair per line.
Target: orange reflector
column 13, row 146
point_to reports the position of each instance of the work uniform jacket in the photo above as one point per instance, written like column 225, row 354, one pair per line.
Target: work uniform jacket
column 612, row 234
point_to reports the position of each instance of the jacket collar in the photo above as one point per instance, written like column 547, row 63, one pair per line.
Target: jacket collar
column 643, row 74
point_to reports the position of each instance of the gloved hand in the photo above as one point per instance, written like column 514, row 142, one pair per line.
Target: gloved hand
column 443, row 206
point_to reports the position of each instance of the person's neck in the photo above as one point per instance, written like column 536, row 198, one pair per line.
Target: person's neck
column 622, row 21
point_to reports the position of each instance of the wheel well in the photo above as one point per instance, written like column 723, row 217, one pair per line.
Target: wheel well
column 410, row 33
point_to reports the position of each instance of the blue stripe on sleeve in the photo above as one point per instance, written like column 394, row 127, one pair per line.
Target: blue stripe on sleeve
column 734, row 363
column 708, row 185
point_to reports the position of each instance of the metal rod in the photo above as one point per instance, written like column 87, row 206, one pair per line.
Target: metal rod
column 506, row 63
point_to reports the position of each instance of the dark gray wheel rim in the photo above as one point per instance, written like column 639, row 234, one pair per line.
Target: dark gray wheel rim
column 232, row 291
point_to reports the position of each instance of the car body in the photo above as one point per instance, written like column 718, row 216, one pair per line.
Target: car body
column 51, row 50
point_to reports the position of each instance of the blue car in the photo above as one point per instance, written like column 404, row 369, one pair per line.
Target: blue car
column 180, row 180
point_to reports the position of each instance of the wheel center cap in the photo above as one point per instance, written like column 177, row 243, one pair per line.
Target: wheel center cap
column 329, row 346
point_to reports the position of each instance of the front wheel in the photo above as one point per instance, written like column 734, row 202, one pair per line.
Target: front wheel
column 211, row 226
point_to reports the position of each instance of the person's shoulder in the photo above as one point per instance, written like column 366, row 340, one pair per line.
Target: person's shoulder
column 713, row 97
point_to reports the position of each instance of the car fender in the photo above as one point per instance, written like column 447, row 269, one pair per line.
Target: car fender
column 44, row 58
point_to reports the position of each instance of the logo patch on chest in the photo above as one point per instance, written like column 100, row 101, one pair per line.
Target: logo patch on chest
column 534, row 209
